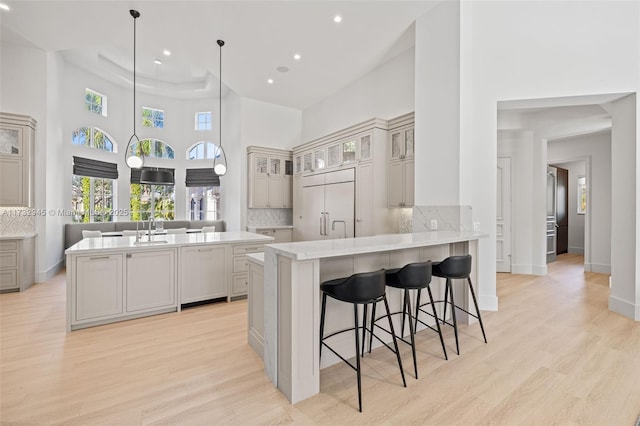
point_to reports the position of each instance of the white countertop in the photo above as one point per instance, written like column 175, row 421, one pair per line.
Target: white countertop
column 17, row 236
column 96, row 245
column 253, row 228
column 305, row 250
column 256, row 258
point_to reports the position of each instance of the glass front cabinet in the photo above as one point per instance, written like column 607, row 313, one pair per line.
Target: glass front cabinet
column 17, row 136
column 270, row 177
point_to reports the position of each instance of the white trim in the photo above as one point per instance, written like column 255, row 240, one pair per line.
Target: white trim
column 488, row 302
column 576, row 250
column 43, row 276
column 521, row 269
column 624, row 308
column 539, row 270
column 597, row 268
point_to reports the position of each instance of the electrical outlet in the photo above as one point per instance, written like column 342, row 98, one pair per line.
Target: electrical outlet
column 476, row 226
column 434, row 224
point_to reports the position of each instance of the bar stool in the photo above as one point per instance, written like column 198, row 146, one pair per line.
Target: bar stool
column 457, row 267
column 414, row 276
column 358, row 289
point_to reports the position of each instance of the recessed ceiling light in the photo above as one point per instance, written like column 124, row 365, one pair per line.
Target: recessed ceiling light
column 4, row 6
column 157, row 61
column 282, row 69
column 270, row 81
column 166, row 52
column 337, row 19
column 297, row 57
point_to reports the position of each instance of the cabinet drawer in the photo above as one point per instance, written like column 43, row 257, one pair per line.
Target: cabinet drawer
column 248, row 248
column 240, row 264
column 8, row 245
column 9, row 260
column 8, row 279
column 240, row 284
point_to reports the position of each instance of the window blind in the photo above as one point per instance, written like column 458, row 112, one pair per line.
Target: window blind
column 94, row 168
column 202, row 177
column 135, row 173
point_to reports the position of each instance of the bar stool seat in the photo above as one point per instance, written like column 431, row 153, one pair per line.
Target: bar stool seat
column 358, row 289
column 457, row 267
column 413, row 276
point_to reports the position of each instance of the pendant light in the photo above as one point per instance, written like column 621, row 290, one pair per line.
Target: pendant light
column 134, row 160
column 156, row 176
column 220, row 159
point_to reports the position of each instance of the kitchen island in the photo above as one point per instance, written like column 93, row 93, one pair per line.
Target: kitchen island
column 292, row 276
column 118, row 278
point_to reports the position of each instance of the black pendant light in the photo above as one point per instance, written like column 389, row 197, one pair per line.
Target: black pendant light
column 135, row 160
column 156, row 176
column 220, row 159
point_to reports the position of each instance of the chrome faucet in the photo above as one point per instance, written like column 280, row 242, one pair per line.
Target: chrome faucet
column 333, row 226
column 151, row 220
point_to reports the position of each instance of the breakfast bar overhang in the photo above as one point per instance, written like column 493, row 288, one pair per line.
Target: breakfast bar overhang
column 292, row 276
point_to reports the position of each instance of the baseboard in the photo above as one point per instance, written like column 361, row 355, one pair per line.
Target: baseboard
column 624, row 308
column 576, row 250
column 43, row 276
column 539, row 270
column 521, row 269
column 597, row 268
column 488, row 302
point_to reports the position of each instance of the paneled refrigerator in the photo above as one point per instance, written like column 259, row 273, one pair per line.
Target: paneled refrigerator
column 328, row 205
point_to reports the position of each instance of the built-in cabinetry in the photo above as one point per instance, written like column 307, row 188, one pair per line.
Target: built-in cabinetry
column 255, row 311
column 117, row 284
column 203, row 273
column 240, row 268
column 270, row 178
column 401, row 161
column 361, row 148
column 17, row 135
column 17, row 263
column 280, row 234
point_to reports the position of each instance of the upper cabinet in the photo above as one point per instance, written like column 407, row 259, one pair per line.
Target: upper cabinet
column 270, row 177
column 17, row 136
column 401, row 167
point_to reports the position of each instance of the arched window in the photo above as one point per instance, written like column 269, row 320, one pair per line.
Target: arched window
column 153, row 148
column 94, row 138
column 202, row 151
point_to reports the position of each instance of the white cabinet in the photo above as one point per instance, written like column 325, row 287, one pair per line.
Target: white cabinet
column 17, row 135
column 240, row 268
column 17, row 267
column 280, row 235
column 98, row 287
column 203, row 273
column 401, row 167
column 151, row 280
column 270, row 178
column 255, row 311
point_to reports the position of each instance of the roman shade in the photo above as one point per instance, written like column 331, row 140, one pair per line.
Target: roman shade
column 94, row 168
column 135, row 173
column 202, row 177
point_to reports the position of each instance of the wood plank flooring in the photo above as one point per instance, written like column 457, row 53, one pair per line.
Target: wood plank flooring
column 555, row 355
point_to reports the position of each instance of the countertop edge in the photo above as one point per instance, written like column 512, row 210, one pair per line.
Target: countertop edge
column 18, row 236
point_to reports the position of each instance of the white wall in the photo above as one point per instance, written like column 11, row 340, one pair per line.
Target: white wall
column 385, row 92
column 596, row 149
column 576, row 228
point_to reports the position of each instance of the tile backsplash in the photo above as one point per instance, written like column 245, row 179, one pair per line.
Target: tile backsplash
column 269, row 217
column 449, row 218
column 15, row 220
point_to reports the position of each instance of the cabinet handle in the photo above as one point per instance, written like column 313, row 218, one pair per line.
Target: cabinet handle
column 207, row 249
column 102, row 257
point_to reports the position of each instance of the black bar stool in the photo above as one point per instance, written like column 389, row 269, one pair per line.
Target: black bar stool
column 457, row 267
column 414, row 276
column 358, row 289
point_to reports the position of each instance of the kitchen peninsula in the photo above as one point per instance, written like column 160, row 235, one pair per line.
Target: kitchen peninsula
column 113, row 279
column 292, row 276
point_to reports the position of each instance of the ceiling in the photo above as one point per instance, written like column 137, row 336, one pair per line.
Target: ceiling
column 260, row 36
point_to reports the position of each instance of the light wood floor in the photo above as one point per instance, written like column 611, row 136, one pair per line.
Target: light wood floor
column 556, row 355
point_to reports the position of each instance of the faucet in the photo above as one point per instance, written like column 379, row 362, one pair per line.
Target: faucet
column 151, row 220
column 138, row 232
column 333, row 226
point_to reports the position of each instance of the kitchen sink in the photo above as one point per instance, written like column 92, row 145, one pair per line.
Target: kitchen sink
column 150, row 243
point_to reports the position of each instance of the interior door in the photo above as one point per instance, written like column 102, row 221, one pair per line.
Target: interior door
column 340, row 210
column 312, row 213
column 503, row 216
column 562, row 211
column 551, row 235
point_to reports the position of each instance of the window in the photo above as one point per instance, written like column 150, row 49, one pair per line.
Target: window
column 94, row 138
column 153, row 148
column 203, row 151
column 203, row 203
column 91, row 199
column 95, row 102
column 203, row 121
column 157, row 201
column 152, row 117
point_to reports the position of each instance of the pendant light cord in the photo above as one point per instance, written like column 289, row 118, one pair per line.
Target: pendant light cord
column 135, row 16
column 220, row 43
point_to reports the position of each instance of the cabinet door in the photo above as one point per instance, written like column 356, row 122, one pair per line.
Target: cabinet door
column 364, row 197
column 150, row 280
column 275, row 167
column 287, row 192
column 260, row 193
column 12, row 191
column 240, row 285
column 408, row 182
column 349, row 151
column 319, row 159
column 298, row 164
column 307, row 161
column 275, row 192
column 282, row 236
column 408, row 142
column 98, row 287
column 395, row 144
column 203, row 273
column 333, row 155
column 297, row 208
column 261, row 165
column 395, row 189
column 365, row 148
